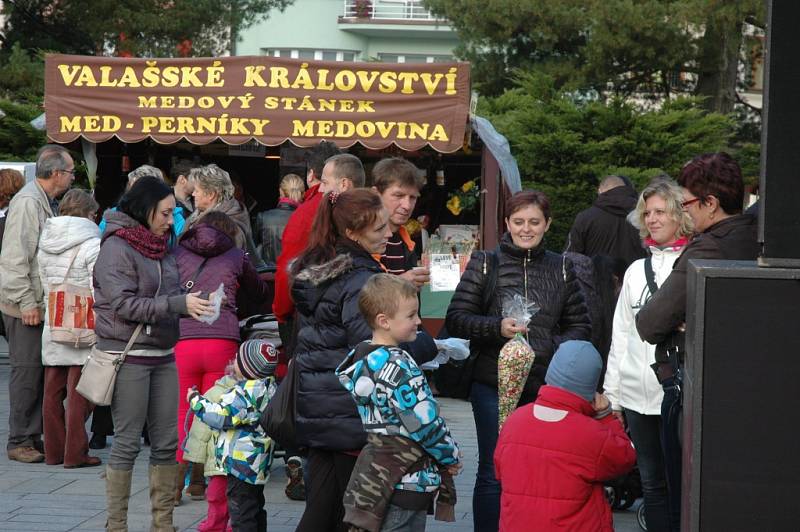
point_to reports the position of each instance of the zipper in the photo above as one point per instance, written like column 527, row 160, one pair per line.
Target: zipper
column 525, row 287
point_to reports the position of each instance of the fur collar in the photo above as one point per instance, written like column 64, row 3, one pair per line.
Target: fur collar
column 321, row 273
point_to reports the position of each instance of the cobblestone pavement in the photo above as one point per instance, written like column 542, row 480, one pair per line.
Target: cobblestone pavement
column 37, row 497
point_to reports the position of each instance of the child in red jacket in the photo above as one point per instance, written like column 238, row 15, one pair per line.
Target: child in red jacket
column 552, row 457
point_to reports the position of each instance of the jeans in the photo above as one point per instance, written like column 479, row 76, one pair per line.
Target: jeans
column 246, row 506
column 671, row 420
column 145, row 394
column 399, row 519
column 486, row 495
column 646, row 436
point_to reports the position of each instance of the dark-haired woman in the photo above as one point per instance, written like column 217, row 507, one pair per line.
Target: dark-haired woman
column 524, row 268
column 349, row 230
column 713, row 196
column 136, row 283
column 207, row 256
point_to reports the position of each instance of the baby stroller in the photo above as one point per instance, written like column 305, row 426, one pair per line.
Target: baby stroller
column 623, row 491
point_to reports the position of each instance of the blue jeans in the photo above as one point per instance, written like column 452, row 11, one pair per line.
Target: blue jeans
column 671, row 419
column 646, row 436
column 399, row 519
column 486, row 496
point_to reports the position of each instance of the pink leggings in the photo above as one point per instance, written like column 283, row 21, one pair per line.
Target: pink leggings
column 200, row 363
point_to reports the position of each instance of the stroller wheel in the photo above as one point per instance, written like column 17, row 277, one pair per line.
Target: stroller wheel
column 640, row 517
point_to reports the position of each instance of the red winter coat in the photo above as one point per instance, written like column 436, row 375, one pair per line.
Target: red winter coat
column 293, row 242
column 551, row 460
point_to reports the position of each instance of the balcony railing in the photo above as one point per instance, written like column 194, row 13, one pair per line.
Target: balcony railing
column 387, row 10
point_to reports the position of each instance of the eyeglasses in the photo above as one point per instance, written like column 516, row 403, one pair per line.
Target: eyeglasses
column 685, row 204
column 68, row 171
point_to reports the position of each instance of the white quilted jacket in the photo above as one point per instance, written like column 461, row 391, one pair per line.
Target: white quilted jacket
column 61, row 238
column 630, row 381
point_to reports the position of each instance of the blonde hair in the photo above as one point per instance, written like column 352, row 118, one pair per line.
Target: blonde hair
column 292, row 186
column 214, row 180
column 382, row 294
column 77, row 202
column 671, row 193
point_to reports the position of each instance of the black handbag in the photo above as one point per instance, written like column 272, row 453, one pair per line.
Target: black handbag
column 278, row 419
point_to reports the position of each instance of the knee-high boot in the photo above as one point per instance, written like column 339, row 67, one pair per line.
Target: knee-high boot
column 118, row 492
column 162, row 497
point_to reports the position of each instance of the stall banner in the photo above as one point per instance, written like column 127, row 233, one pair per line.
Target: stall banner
column 268, row 99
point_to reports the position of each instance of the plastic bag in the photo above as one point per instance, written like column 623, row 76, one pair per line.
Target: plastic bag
column 215, row 298
column 449, row 349
column 515, row 359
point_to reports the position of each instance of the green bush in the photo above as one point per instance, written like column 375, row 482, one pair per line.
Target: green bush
column 564, row 143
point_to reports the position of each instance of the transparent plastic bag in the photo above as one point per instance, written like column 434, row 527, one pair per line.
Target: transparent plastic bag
column 449, row 349
column 215, row 298
column 515, row 359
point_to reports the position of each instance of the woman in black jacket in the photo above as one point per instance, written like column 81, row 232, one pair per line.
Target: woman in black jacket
column 349, row 229
column 524, row 267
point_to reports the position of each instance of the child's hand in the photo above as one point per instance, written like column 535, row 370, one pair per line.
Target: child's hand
column 190, row 392
column 455, row 469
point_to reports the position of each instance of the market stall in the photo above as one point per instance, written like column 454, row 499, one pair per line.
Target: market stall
column 121, row 112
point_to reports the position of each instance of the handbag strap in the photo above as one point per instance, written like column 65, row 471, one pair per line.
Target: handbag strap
column 71, row 262
column 190, row 283
column 650, row 275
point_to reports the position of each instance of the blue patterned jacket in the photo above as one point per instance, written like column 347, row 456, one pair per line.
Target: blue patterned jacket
column 243, row 448
column 393, row 398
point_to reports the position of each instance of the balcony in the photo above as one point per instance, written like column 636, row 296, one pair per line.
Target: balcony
column 400, row 18
column 394, row 10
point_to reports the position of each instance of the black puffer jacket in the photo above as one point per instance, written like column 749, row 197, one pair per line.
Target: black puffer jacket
column 329, row 326
column 544, row 277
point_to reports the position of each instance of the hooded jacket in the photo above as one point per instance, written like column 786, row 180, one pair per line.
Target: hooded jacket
column 603, row 228
column 224, row 263
column 630, row 381
column 125, row 286
column 200, row 445
column 540, row 276
column 20, row 286
column 243, row 449
column 552, row 459
column 63, row 238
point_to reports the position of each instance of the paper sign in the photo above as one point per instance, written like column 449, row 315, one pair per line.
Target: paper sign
column 445, row 272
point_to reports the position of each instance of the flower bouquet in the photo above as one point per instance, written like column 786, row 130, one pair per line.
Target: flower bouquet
column 515, row 359
column 465, row 198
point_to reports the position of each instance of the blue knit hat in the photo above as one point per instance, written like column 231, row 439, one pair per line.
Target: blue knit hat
column 257, row 359
column 575, row 367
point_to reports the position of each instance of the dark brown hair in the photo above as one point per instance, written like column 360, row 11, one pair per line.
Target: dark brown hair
column 77, row 202
column 396, row 171
column 355, row 210
column 524, row 198
column 718, row 175
column 221, row 221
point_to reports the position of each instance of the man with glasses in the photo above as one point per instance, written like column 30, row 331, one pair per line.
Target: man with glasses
column 22, row 298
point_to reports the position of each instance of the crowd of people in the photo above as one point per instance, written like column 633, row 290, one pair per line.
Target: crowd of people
column 170, row 269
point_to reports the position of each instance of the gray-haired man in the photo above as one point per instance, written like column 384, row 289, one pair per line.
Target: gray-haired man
column 22, row 298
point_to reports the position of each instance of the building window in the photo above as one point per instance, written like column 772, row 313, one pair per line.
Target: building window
column 414, row 58
column 306, row 53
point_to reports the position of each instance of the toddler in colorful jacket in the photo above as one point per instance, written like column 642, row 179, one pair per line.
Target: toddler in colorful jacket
column 410, row 453
column 243, row 450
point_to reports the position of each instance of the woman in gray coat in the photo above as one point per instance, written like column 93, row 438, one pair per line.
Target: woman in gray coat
column 136, row 282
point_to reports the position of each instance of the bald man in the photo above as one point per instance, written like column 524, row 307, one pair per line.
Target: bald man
column 603, row 228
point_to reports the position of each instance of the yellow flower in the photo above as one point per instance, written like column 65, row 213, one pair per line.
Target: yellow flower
column 413, row 227
column 469, row 185
column 454, row 205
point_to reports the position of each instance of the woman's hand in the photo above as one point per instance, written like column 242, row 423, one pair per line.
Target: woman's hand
column 190, row 392
column 197, row 306
column 509, row 327
column 455, row 469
